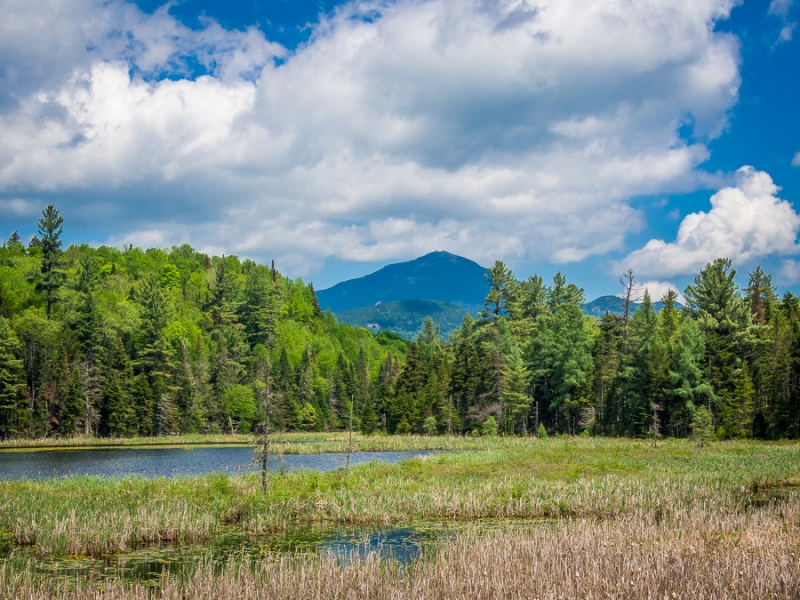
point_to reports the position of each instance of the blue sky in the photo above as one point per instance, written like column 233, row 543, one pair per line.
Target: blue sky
column 334, row 137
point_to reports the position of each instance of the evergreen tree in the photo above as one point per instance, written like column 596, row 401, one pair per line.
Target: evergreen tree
column 117, row 414
column 259, row 308
column 714, row 299
column 72, row 409
column 51, row 277
column 645, row 369
column 11, row 380
column 561, row 362
column 760, row 296
column 688, row 387
column 516, row 401
column 502, row 292
column 606, row 358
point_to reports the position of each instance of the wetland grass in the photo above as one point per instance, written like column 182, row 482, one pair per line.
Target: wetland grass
column 286, row 443
column 750, row 554
column 512, row 478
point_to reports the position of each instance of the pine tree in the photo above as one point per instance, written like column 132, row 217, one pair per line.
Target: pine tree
column 606, row 358
column 645, row 368
column 51, row 277
column 11, row 378
column 561, row 362
column 714, row 299
column 516, row 401
column 760, row 296
column 259, row 309
column 688, row 387
column 117, row 414
column 502, row 292
column 72, row 408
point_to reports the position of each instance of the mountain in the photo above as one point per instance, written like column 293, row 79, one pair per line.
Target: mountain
column 436, row 276
column 405, row 317
column 614, row 305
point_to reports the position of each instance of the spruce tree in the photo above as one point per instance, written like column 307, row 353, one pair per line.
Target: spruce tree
column 51, row 276
column 687, row 388
column 715, row 300
column 72, row 408
column 502, row 292
column 11, row 379
column 516, row 401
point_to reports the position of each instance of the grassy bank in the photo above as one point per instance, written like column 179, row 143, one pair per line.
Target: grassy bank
column 703, row 554
column 575, row 478
column 286, row 443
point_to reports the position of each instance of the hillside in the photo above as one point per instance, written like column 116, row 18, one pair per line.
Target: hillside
column 156, row 342
column 405, row 317
column 614, row 305
column 436, row 276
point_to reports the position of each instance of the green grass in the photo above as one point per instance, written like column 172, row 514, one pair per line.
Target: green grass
column 510, row 478
column 286, row 443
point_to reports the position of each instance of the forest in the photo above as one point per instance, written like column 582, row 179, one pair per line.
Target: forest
column 129, row 342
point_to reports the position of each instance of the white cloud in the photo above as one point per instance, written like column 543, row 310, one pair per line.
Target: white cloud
column 789, row 271
column 796, row 160
column 492, row 128
column 781, row 8
column 18, row 207
column 786, row 32
column 745, row 222
column 658, row 289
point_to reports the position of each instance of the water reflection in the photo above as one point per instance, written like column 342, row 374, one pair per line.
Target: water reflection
column 169, row 462
column 149, row 565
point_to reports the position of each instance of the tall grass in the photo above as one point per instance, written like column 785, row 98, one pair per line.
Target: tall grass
column 703, row 554
column 288, row 443
column 574, row 478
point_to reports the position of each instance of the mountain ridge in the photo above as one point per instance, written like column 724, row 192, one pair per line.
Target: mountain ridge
column 438, row 275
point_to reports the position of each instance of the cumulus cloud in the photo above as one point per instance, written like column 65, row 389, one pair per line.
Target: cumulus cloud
column 492, row 127
column 789, row 271
column 796, row 160
column 657, row 290
column 745, row 222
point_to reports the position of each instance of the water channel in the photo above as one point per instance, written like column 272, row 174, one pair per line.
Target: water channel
column 170, row 462
column 149, row 564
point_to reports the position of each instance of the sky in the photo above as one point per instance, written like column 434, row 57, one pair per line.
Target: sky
column 582, row 136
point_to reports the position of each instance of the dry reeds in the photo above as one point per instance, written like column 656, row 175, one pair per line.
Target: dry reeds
column 750, row 555
column 574, row 479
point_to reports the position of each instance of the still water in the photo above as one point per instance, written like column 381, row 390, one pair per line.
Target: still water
column 170, row 462
column 148, row 565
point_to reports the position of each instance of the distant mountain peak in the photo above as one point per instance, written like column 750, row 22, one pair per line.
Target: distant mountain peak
column 438, row 275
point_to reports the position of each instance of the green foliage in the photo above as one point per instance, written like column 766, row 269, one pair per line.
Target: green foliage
column 489, row 426
column 51, row 277
column 541, row 432
column 140, row 342
column 430, row 427
column 110, row 342
column 702, row 426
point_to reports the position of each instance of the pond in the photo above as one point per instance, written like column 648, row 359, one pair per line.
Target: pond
column 148, row 565
column 170, row 462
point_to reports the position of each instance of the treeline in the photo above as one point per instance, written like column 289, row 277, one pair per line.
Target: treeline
column 109, row 342
column 113, row 342
column 725, row 365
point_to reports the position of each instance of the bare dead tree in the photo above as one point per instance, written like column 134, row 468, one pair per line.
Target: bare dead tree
column 628, row 281
column 262, row 451
column 350, row 442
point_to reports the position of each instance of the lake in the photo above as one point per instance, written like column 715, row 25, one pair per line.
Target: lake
column 170, row 462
